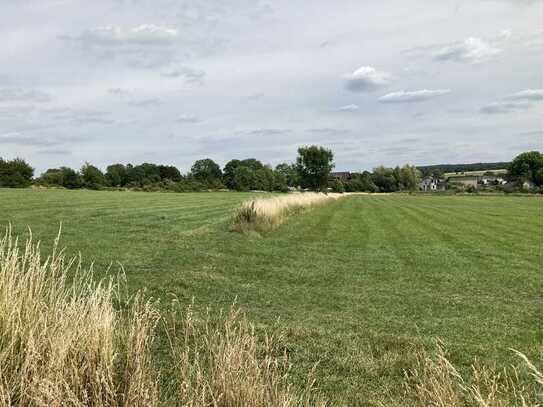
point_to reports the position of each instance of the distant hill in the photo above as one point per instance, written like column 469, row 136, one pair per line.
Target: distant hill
column 448, row 168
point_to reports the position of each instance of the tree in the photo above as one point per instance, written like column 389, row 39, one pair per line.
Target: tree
column 252, row 164
column 337, row 186
column 170, row 172
column 61, row 177
column 289, row 172
column 116, row 175
column 279, row 182
column 207, row 171
column 51, row 177
column 16, row 173
column 384, row 179
column 313, row 166
column 409, row 177
column 528, row 167
column 361, row 183
column 92, row 177
column 244, row 179
column 70, row 178
column 229, row 172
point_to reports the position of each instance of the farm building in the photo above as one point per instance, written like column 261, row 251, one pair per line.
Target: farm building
column 341, row 176
column 432, row 184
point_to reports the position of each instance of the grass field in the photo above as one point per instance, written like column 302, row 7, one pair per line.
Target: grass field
column 356, row 285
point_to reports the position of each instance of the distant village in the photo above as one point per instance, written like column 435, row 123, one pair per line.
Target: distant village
column 464, row 180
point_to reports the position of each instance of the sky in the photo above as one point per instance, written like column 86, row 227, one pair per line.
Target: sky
column 172, row 81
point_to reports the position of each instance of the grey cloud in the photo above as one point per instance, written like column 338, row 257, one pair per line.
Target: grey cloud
column 145, row 102
column 146, row 45
column 531, row 95
column 25, row 139
column 517, row 102
column 19, row 95
column 187, row 118
column 266, row 132
column 53, row 151
column 190, row 75
column 366, row 79
column 256, row 96
column 328, row 131
column 348, row 108
column 77, row 116
column 473, row 50
column 504, row 107
column 123, row 38
column 413, row 96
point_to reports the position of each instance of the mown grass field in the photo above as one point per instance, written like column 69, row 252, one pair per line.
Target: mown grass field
column 356, row 285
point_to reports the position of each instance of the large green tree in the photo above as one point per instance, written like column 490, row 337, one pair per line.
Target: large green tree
column 92, row 177
column 409, row 177
column 289, row 173
column 314, row 165
column 15, row 173
column 116, row 175
column 206, row 170
column 229, row 173
column 528, row 166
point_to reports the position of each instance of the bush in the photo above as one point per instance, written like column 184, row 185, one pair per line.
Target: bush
column 15, row 173
column 337, row 186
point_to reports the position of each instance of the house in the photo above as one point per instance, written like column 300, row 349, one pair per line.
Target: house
column 492, row 180
column 465, row 180
column 528, row 185
column 341, row 176
column 432, row 183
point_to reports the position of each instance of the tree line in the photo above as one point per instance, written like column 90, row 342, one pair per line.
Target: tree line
column 311, row 170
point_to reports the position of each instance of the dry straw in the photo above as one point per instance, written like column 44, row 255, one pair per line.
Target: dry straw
column 63, row 343
column 61, row 340
column 264, row 214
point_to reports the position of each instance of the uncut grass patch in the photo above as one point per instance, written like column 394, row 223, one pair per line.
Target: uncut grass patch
column 265, row 214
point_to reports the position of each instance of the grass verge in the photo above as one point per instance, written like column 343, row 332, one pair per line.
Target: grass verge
column 265, row 214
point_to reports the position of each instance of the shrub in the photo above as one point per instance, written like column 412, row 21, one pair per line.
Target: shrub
column 15, row 173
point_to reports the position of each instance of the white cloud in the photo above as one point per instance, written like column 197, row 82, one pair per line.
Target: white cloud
column 528, row 95
column 366, row 79
column 504, row 107
column 472, row 51
column 187, row 118
column 348, row 108
column 412, row 96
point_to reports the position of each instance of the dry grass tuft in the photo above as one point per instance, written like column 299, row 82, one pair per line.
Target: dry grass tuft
column 228, row 365
column 266, row 214
column 436, row 382
column 62, row 343
column 61, row 340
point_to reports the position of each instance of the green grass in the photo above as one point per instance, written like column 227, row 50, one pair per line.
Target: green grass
column 356, row 284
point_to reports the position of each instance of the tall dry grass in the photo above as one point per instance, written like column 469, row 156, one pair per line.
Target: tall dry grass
column 227, row 364
column 63, row 343
column 436, row 382
column 61, row 340
column 264, row 214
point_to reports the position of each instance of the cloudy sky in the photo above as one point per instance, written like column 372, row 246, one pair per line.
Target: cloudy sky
column 171, row 81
